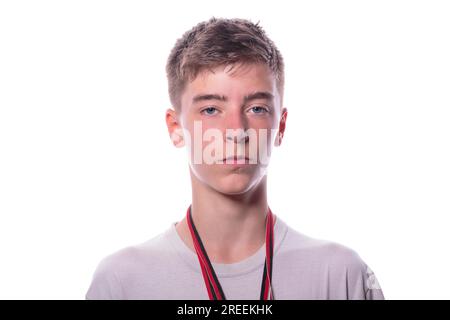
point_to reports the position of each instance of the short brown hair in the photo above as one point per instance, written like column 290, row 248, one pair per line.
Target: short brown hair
column 218, row 42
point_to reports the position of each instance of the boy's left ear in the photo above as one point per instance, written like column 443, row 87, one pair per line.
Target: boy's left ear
column 281, row 127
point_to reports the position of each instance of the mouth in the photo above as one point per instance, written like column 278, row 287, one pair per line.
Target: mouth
column 236, row 160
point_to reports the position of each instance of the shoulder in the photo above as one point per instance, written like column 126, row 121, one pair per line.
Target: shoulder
column 324, row 251
column 340, row 266
column 126, row 264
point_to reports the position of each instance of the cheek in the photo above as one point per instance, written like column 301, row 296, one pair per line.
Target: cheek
column 202, row 143
column 265, row 143
column 266, row 130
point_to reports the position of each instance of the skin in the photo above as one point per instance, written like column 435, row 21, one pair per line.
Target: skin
column 229, row 202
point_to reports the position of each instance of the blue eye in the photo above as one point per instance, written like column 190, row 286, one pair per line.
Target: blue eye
column 259, row 109
column 209, row 110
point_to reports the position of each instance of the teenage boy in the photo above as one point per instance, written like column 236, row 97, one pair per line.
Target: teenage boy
column 226, row 80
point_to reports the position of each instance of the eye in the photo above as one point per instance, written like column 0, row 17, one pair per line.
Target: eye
column 209, row 111
column 259, row 110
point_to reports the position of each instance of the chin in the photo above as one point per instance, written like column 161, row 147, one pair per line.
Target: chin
column 229, row 182
column 235, row 184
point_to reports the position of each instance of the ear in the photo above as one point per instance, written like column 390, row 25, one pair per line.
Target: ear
column 174, row 127
column 281, row 127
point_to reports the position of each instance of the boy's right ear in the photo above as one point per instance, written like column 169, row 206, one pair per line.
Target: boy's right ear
column 174, row 127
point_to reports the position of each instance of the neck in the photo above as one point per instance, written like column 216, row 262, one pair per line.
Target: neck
column 231, row 227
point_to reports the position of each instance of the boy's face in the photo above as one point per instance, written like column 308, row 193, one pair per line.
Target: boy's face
column 229, row 121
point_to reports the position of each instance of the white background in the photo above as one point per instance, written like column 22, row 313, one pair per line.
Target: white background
column 87, row 167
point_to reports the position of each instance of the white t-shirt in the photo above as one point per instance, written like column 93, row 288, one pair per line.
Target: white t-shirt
column 164, row 267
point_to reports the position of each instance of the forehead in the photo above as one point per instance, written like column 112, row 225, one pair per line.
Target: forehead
column 233, row 81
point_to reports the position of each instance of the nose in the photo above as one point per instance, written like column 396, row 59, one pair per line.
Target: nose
column 237, row 136
column 236, row 127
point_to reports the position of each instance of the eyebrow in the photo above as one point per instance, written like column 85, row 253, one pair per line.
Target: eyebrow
column 208, row 97
column 253, row 96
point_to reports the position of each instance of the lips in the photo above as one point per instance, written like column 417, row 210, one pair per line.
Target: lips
column 235, row 158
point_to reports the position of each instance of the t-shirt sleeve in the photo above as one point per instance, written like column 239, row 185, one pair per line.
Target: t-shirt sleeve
column 372, row 289
column 351, row 278
column 361, row 281
column 105, row 283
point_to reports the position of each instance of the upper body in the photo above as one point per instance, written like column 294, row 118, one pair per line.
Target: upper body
column 226, row 83
column 304, row 268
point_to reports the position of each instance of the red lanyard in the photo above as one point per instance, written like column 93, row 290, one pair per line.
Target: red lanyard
column 213, row 286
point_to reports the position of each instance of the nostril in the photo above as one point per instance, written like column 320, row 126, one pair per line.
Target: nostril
column 237, row 135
